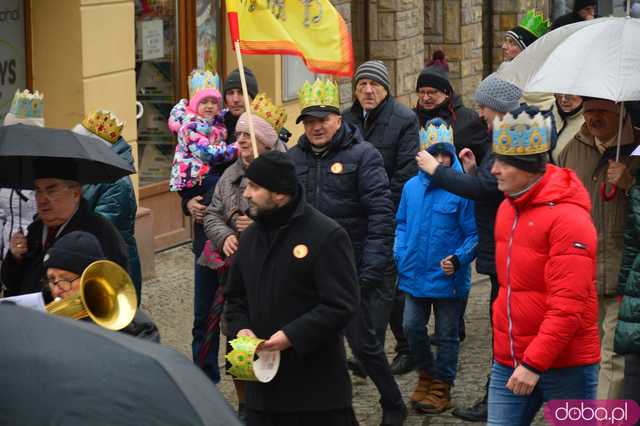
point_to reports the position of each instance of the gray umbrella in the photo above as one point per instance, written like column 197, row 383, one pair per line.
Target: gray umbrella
column 56, row 371
column 28, row 151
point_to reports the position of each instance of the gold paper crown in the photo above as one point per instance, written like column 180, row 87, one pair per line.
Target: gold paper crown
column 104, row 124
column 265, row 109
column 321, row 93
column 524, row 135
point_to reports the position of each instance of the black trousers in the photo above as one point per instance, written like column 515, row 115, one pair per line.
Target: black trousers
column 369, row 350
column 631, row 388
column 342, row 417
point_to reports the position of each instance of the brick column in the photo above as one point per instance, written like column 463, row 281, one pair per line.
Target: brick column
column 455, row 26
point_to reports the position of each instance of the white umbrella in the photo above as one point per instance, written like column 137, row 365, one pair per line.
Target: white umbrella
column 598, row 58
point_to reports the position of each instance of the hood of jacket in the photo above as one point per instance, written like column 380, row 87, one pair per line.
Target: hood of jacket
column 123, row 149
column 455, row 163
column 558, row 185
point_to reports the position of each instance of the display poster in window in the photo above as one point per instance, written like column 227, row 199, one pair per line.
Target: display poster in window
column 13, row 73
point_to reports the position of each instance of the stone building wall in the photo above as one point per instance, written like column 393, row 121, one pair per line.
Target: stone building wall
column 455, row 26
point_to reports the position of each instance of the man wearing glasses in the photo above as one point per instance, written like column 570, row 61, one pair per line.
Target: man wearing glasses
column 60, row 210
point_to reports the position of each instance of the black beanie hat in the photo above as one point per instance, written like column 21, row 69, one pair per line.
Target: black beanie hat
column 436, row 74
column 522, row 37
column 578, row 5
column 536, row 163
column 274, row 171
column 73, row 252
column 233, row 82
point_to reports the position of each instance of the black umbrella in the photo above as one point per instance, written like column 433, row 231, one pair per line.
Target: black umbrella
column 56, row 371
column 26, row 149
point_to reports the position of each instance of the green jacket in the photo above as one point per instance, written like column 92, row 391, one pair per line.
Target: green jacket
column 627, row 337
column 116, row 202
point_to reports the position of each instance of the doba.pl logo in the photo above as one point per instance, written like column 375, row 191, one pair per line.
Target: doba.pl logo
column 581, row 412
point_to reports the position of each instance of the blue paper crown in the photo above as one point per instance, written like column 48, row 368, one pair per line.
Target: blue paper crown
column 436, row 131
column 202, row 79
column 524, row 134
column 27, row 105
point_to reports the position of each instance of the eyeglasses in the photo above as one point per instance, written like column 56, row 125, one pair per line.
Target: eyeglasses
column 62, row 284
column 239, row 135
column 51, row 194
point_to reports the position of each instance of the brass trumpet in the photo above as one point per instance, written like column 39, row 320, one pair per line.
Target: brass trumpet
column 106, row 295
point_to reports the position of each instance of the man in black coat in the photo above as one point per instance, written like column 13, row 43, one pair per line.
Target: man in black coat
column 343, row 176
column 61, row 210
column 294, row 284
column 393, row 129
column 495, row 98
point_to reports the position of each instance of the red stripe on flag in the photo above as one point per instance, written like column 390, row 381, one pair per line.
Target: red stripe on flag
column 234, row 28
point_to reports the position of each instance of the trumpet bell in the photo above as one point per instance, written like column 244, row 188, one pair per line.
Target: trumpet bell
column 106, row 295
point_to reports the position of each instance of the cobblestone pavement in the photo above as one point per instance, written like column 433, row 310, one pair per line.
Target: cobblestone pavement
column 169, row 299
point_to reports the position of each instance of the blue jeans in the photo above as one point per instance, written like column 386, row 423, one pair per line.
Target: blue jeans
column 505, row 408
column 206, row 284
column 417, row 311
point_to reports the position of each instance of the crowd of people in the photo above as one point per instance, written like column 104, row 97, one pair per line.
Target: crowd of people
column 373, row 218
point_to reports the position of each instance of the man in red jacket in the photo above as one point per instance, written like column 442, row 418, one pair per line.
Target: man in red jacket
column 546, row 341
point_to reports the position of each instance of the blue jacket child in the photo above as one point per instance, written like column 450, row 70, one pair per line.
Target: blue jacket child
column 433, row 224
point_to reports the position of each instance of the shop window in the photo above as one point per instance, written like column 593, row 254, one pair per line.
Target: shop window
column 13, row 47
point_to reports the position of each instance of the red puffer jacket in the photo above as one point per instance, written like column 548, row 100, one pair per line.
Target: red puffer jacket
column 546, row 313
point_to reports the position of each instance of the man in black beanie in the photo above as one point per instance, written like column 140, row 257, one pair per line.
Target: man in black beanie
column 64, row 264
column 293, row 283
column 583, row 10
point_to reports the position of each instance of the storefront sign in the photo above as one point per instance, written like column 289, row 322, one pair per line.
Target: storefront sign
column 12, row 52
column 152, row 37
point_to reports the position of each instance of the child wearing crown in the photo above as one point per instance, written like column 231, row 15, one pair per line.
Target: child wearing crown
column 199, row 124
column 435, row 244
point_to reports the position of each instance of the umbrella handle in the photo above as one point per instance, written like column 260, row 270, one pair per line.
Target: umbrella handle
column 606, row 194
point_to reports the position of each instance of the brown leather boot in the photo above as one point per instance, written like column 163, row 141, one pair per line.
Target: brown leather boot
column 437, row 400
column 422, row 388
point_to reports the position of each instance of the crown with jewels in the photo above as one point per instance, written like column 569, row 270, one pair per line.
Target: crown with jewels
column 265, row 109
column 27, row 105
column 535, row 23
column 524, row 135
column 202, row 79
column 436, row 131
column 104, row 124
column 321, row 93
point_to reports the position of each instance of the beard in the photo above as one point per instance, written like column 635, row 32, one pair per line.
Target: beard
column 257, row 211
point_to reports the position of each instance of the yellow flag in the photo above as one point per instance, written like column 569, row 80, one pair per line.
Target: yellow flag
column 311, row 29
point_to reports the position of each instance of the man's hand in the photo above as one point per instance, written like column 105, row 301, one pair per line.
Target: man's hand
column 447, row 265
column 468, row 160
column 618, row 175
column 522, row 381
column 246, row 332
column 427, row 162
column 278, row 342
column 196, row 209
column 18, row 245
column 243, row 222
column 230, row 245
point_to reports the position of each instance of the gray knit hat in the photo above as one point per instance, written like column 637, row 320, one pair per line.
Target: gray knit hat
column 497, row 94
column 374, row 70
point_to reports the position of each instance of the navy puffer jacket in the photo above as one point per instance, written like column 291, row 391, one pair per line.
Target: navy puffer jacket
column 349, row 184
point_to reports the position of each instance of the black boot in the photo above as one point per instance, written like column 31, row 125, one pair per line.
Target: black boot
column 477, row 412
column 402, row 364
column 242, row 412
column 356, row 368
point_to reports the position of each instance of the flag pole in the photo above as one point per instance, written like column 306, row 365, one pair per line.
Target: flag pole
column 247, row 102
